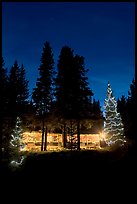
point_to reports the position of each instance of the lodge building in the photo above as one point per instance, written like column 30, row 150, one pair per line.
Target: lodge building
column 55, row 142
column 89, row 139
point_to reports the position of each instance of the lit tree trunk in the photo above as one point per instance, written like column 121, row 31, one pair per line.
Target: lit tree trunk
column 87, row 141
column 64, row 135
column 42, row 134
column 78, row 135
column 71, row 135
column 1, row 122
column 45, row 144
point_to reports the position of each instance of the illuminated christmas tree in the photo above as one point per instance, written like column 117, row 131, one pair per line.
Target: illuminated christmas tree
column 16, row 144
column 113, row 126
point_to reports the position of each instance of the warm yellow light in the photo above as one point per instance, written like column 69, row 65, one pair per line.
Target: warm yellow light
column 102, row 135
column 32, row 140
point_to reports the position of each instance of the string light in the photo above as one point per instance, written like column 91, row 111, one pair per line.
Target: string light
column 16, row 144
column 15, row 163
column 113, row 126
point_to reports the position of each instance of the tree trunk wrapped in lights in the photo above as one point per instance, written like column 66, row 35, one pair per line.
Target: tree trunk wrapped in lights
column 113, row 126
column 17, row 144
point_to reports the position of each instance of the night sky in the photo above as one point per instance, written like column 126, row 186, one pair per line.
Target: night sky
column 101, row 32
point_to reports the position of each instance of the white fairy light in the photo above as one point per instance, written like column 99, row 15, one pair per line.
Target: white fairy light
column 113, row 126
column 17, row 144
column 15, row 163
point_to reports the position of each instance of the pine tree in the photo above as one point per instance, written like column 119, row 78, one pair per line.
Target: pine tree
column 63, row 90
column 72, row 92
column 131, row 101
column 3, row 105
column 43, row 93
column 17, row 144
column 128, row 111
column 81, row 91
column 17, row 90
column 23, row 93
column 81, row 94
column 113, row 126
column 13, row 89
column 65, row 65
column 3, row 88
column 122, row 109
column 96, row 110
column 132, row 112
column 121, row 106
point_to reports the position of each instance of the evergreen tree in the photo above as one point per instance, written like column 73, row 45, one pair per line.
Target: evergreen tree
column 63, row 91
column 113, row 126
column 63, row 81
column 132, row 112
column 17, row 90
column 3, row 104
column 96, row 110
column 16, row 144
column 81, row 91
column 43, row 93
column 72, row 92
column 122, row 109
column 13, row 89
column 3, row 89
column 81, row 94
column 121, row 106
column 131, row 100
column 23, row 94
column 127, row 108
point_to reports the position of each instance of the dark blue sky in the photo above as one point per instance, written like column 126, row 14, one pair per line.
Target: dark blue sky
column 104, row 33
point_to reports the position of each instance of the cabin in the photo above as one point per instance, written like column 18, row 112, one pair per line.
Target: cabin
column 89, row 139
column 32, row 141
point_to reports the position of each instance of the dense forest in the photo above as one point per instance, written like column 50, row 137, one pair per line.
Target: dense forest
column 61, row 101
